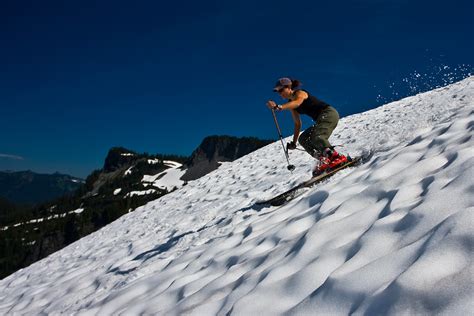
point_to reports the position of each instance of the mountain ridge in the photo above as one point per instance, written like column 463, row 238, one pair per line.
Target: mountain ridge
column 127, row 180
column 28, row 187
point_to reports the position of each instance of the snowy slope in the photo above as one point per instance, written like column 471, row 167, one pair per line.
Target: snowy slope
column 391, row 236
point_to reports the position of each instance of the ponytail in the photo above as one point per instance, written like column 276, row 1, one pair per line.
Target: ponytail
column 295, row 84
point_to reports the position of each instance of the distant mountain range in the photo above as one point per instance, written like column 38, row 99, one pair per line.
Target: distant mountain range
column 27, row 187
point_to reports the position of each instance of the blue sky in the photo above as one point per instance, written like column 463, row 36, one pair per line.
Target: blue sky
column 79, row 77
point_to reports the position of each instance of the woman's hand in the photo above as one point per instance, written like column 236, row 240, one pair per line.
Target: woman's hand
column 291, row 145
column 271, row 104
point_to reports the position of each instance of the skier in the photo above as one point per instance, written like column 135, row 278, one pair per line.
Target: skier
column 314, row 139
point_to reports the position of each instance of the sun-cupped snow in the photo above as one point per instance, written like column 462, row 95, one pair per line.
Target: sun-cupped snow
column 392, row 236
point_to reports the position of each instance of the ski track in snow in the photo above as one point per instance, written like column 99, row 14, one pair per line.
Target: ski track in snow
column 393, row 236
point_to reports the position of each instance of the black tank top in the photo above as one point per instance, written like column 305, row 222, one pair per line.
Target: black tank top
column 312, row 106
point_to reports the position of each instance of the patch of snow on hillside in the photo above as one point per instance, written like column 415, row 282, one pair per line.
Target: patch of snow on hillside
column 153, row 161
column 78, row 211
column 172, row 164
column 168, row 179
column 145, row 192
column 128, row 171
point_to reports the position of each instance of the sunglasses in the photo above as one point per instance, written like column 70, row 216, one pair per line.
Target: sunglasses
column 280, row 90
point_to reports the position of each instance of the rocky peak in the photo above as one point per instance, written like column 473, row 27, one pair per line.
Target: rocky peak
column 119, row 157
column 216, row 149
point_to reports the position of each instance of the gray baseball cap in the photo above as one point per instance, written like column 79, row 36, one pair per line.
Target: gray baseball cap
column 282, row 82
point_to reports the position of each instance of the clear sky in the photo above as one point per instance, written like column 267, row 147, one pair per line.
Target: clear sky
column 79, row 77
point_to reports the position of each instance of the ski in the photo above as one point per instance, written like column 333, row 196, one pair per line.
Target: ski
column 299, row 189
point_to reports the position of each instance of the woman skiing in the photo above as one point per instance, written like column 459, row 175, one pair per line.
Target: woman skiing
column 314, row 139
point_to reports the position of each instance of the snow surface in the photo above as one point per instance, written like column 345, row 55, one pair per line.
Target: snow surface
column 168, row 179
column 392, row 236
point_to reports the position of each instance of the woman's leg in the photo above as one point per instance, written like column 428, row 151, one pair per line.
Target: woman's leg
column 305, row 141
column 316, row 138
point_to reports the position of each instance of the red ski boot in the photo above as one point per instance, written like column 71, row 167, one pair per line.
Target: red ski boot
column 335, row 159
column 329, row 159
column 321, row 166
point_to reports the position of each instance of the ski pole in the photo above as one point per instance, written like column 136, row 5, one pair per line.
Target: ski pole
column 290, row 166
